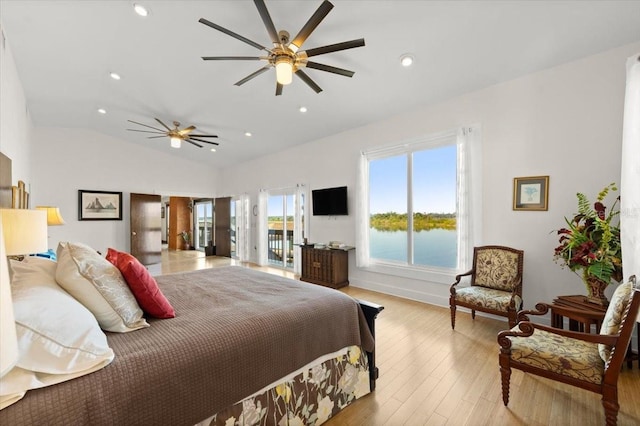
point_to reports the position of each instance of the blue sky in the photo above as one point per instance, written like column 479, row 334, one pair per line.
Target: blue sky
column 274, row 205
column 434, row 186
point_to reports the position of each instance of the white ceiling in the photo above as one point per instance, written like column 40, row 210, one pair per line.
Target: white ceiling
column 65, row 50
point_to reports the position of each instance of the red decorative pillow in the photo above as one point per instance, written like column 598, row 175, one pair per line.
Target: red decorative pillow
column 143, row 286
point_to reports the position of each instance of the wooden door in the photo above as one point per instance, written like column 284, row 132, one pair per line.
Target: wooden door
column 180, row 219
column 146, row 227
column 222, row 210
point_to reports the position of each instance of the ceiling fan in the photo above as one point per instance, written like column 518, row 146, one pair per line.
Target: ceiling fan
column 176, row 134
column 285, row 55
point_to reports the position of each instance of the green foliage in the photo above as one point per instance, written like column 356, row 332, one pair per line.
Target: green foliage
column 392, row 221
column 591, row 241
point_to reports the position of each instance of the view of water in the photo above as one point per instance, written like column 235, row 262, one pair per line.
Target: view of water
column 437, row 247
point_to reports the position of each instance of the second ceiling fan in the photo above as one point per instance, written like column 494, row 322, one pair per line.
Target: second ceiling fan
column 285, row 55
column 176, row 135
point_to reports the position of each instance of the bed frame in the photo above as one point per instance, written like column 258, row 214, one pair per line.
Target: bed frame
column 371, row 311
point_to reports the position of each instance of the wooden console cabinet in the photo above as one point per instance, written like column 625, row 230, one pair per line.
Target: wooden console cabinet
column 327, row 267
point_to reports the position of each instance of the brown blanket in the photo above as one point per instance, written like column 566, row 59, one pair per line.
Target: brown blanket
column 236, row 330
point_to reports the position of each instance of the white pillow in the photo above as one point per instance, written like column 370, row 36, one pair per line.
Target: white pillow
column 99, row 286
column 58, row 338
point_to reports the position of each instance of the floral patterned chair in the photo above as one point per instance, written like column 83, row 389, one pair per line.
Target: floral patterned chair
column 588, row 361
column 496, row 284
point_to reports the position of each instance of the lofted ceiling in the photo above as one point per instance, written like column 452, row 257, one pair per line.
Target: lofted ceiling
column 65, row 50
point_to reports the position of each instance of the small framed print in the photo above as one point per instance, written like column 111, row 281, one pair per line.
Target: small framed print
column 531, row 193
column 99, row 205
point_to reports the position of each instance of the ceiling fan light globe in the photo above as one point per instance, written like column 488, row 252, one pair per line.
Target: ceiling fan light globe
column 284, row 70
column 175, row 142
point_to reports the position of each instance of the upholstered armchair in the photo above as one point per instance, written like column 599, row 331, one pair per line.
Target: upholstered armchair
column 496, row 284
column 588, row 361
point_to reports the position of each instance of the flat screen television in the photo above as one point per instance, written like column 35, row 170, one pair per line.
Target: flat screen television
column 330, row 201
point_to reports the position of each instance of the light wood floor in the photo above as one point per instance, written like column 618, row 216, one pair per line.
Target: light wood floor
column 432, row 375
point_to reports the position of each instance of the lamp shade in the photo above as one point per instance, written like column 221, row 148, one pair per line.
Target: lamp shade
column 25, row 231
column 54, row 218
column 8, row 339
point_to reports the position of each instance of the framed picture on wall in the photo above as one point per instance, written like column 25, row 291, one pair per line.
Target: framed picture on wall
column 531, row 193
column 99, row 205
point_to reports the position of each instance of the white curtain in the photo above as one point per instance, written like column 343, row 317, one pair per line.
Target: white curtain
column 362, row 213
column 298, row 227
column 469, row 195
column 630, row 174
column 242, row 238
column 261, row 228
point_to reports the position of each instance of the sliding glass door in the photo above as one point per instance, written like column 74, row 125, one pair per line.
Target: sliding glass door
column 203, row 220
column 280, row 230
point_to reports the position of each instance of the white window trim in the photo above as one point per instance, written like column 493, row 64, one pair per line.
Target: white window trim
column 469, row 198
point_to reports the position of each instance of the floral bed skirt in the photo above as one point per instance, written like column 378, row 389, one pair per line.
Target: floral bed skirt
column 309, row 398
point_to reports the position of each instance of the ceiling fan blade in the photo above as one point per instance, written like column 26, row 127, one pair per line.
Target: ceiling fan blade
column 187, row 130
column 157, row 137
column 231, row 58
column 268, row 22
column 252, row 75
column 308, row 80
column 154, row 128
column 232, row 34
column 312, row 23
column 279, row 89
column 202, row 140
column 329, row 68
column 192, row 142
column 335, row 47
column 163, row 125
column 204, row 136
column 159, row 132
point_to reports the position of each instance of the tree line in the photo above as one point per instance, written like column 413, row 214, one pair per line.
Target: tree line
column 392, row 221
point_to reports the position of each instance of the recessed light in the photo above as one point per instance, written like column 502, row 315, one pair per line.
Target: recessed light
column 102, row 110
column 247, row 134
column 303, row 109
column 213, row 150
column 115, row 76
column 140, row 10
column 406, row 60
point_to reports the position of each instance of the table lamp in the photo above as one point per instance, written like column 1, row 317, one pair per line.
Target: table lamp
column 54, row 218
column 25, row 231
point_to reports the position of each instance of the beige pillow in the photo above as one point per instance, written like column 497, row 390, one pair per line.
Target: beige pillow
column 58, row 338
column 99, row 286
column 613, row 317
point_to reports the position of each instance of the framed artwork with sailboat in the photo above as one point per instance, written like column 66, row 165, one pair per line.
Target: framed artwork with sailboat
column 99, row 205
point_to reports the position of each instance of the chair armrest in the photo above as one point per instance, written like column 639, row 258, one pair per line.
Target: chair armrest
column 452, row 289
column 540, row 309
column 527, row 328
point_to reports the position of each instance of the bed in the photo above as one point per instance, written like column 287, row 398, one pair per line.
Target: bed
column 245, row 347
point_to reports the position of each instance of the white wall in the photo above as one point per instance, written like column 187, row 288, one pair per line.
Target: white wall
column 66, row 160
column 15, row 123
column 565, row 122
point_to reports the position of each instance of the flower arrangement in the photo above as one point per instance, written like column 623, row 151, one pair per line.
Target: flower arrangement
column 591, row 241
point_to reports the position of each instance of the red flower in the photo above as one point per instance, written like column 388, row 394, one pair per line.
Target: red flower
column 599, row 208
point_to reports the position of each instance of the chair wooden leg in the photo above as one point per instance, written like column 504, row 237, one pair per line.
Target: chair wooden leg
column 453, row 316
column 611, row 406
column 512, row 316
column 505, row 373
column 473, row 314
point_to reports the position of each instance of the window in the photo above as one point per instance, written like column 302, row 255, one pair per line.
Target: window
column 416, row 204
